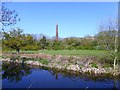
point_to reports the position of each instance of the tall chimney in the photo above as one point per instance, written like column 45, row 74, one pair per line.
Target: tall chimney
column 56, row 32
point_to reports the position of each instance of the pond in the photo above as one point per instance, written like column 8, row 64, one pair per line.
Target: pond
column 17, row 76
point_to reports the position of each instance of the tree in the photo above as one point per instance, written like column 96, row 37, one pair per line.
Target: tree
column 14, row 39
column 29, row 42
column 71, row 43
column 0, row 42
column 57, row 45
column 87, row 42
column 43, row 43
column 108, row 39
column 8, row 17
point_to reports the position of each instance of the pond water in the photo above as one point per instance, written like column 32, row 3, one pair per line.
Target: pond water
column 18, row 76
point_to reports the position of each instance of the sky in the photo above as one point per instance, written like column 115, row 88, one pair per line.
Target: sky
column 74, row 19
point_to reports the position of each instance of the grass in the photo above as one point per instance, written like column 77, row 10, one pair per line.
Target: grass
column 81, row 53
column 97, row 53
column 94, row 65
column 21, row 51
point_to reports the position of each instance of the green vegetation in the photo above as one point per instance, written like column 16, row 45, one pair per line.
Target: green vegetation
column 16, row 40
column 44, row 61
column 103, row 45
column 14, row 58
column 94, row 65
column 21, row 51
column 98, row 53
column 107, row 65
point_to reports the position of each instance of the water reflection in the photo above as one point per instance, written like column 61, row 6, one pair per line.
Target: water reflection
column 85, row 77
column 14, row 71
column 76, row 75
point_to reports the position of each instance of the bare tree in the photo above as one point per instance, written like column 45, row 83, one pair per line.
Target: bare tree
column 7, row 16
column 108, row 39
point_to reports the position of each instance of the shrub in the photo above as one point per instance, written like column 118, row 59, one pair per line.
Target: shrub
column 107, row 65
column 44, row 61
column 94, row 65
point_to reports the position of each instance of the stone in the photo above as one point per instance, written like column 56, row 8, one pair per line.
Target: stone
column 73, row 67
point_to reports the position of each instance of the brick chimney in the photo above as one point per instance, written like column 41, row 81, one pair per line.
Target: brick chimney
column 56, row 32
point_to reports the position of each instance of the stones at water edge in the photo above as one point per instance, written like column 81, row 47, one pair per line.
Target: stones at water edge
column 33, row 63
column 93, row 70
column 73, row 67
column 2, row 59
column 84, row 69
column 7, row 60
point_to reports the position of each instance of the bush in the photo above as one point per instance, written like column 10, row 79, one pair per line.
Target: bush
column 94, row 65
column 44, row 61
column 107, row 65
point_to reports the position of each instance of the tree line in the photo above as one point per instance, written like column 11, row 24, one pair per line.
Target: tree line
column 15, row 39
column 105, row 39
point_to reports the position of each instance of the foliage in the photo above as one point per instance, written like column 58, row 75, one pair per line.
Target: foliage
column 14, row 39
column 43, row 43
column 94, row 65
column 57, row 45
column 106, row 39
column 43, row 61
column 31, row 43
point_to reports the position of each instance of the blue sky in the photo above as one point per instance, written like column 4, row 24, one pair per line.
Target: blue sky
column 73, row 19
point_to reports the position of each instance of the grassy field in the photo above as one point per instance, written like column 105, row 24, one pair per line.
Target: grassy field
column 76, row 52
column 99, row 53
column 21, row 51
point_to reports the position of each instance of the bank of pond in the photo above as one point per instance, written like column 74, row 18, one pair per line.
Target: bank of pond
column 16, row 75
column 90, row 65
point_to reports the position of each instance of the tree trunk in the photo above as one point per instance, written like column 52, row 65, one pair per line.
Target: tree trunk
column 116, row 51
column 115, row 62
column 18, row 50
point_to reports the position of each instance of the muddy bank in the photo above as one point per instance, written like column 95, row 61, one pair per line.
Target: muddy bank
column 90, row 65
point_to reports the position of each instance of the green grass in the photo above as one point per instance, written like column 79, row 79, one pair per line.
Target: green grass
column 21, row 51
column 98, row 53
column 94, row 65
column 81, row 53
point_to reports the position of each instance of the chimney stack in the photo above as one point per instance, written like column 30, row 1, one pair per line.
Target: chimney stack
column 56, row 32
